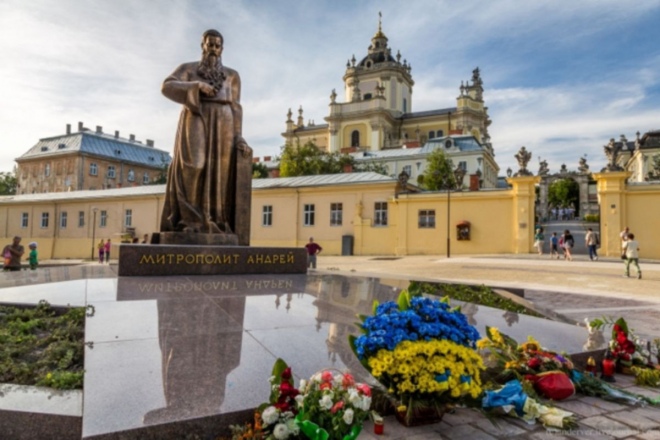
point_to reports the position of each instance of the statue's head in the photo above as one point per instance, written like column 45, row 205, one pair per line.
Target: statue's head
column 212, row 42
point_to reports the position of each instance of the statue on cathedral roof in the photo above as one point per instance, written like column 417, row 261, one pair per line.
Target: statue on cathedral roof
column 583, row 167
column 543, row 168
column 612, row 152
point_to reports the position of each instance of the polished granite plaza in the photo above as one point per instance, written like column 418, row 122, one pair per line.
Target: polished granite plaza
column 165, row 351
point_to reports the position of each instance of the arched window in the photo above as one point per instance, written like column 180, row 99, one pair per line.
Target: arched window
column 355, row 138
column 431, row 134
column 440, row 133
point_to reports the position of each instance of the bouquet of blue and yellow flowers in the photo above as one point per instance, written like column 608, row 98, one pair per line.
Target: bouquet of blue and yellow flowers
column 423, row 352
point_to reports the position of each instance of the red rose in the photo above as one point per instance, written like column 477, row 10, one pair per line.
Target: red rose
column 347, row 380
column 287, row 390
column 286, row 374
column 534, row 363
column 364, row 389
column 326, row 376
column 337, row 406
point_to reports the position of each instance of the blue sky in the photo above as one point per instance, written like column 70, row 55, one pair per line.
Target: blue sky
column 560, row 77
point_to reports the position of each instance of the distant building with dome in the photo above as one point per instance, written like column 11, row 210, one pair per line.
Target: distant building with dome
column 376, row 121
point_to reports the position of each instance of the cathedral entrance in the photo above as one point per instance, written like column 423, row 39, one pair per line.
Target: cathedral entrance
column 566, row 195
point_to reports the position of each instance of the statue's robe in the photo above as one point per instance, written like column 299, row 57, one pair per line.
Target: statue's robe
column 201, row 182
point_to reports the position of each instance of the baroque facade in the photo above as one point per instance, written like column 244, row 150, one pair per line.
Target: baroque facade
column 88, row 160
column 376, row 121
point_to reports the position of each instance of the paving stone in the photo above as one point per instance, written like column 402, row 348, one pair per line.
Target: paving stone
column 462, row 416
column 654, row 394
column 522, row 424
column 547, row 435
column 462, row 432
column 609, row 427
column 649, row 412
column 501, row 427
column 580, row 408
column 635, row 420
column 653, row 434
column 603, row 404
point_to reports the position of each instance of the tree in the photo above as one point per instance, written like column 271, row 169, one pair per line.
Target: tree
column 8, row 183
column 259, row 170
column 309, row 160
column 564, row 193
column 439, row 173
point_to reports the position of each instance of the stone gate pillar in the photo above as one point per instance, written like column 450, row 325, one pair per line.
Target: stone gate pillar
column 611, row 197
column 523, row 212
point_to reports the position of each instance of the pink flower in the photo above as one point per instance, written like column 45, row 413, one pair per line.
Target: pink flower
column 347, row 380
column 339, row 405
column 364, row 389
column 326, row 376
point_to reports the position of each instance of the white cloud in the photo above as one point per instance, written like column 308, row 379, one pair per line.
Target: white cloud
column 103, row 62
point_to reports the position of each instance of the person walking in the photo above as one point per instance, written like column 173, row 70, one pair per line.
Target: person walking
column 592, row 241
column 106, row 251
column 101, row 247
column 631, row 251
column 33, row 257
column 539, row 239
column 313, row 249
column 569, row 242
column 554, row 242
column 13, row 253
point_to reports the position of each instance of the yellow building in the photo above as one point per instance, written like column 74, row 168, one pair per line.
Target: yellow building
column 376, row 121
column 89, row 160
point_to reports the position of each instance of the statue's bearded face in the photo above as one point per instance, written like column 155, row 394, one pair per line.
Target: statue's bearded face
column 212, row 48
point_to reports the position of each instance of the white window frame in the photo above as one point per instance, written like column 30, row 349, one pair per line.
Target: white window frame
column 130, row 176
column 103, row 220
column 93, row 169
column 308, row 214
column 45, row 220
column 64, row 219
column 380, row 213
column 336, row 214
column 25, row 220
column 426, row 219
column 81, row 219
column 128, row 217
column 267, row 215
column 112, row 172
column 146, row 179
column 47, row 169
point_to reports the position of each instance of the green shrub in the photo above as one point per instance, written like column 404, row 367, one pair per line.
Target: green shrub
column 592, row 218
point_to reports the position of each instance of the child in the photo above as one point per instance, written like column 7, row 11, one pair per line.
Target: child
column 554, row 241
column 33, row 256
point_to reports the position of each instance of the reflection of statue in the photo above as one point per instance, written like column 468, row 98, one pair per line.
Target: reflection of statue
column 207, row 174
column 523, row 157
column 199, row 347
column 543, row 168
column 469, row 310
column 612, row 152
column 510, row 318
column 582, row 166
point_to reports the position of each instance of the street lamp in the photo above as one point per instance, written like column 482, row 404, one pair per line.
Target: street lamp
column 94, row 231
column 449, row 182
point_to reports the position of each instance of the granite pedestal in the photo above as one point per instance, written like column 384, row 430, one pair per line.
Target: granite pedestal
column 169, row 259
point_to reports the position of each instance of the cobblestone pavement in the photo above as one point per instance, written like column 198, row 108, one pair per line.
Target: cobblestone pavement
column 579, row 289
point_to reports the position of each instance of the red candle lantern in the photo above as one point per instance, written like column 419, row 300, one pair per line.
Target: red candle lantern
column 379, row 427
column 609, row 367
column 591, row 366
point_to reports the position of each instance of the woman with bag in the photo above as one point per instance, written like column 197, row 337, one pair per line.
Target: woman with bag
column 569, row 242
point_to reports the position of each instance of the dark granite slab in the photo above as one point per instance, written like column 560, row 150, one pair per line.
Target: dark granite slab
column 180, row 354
column 165, row 260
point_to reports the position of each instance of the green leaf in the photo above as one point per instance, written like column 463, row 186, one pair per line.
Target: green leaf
column 278, row 369
column 404, row 300
column 374, row 306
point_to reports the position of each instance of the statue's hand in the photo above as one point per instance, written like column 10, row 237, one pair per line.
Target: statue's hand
column 243, row 147
column 206, row 89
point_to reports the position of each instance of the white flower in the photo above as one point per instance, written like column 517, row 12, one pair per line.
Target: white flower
column 270, row 415
column 271, row 379
column 303, row 384
column 365, row 403
column 337, row 381
column 292, row 426
column 326, row 401
column 348, row 416
column 299, row 400
column 281, row 431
